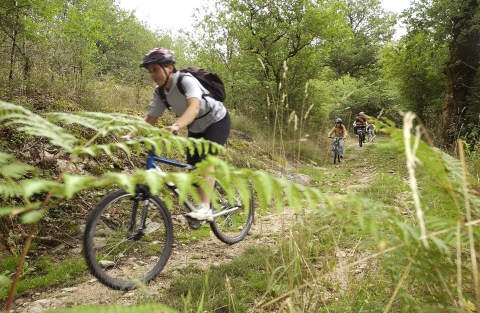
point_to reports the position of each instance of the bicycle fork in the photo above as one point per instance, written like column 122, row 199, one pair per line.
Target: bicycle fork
column 141, row 195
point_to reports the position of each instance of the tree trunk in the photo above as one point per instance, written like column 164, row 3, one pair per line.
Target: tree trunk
column 14, row 43
column 460, row 70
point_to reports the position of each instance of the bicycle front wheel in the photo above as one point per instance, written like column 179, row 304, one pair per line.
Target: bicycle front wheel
column 237, row 218
column 336, row 157
column 360, row 139
column 120, row 254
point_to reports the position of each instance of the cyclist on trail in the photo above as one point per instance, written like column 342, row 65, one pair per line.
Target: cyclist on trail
column 339, row 131
column 360, row 121
column 204, row 116
column 371, row 127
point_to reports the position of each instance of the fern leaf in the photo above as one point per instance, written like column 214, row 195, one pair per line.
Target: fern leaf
column 9, row 189
column 16, row 170
column 32, row 216
column 29, row 187
column 73, row 184
column 20, row 209
column 33, row 124
column 90, row 123
column 183, row 181
column 263, row 186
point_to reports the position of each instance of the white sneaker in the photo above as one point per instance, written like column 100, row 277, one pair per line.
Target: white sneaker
column 201, row 212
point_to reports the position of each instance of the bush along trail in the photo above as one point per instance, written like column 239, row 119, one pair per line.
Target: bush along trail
column 347, row 254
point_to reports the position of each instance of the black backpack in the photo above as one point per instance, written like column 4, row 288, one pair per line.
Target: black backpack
column 209, row 81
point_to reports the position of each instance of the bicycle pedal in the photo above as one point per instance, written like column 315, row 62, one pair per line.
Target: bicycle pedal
column 194, row 224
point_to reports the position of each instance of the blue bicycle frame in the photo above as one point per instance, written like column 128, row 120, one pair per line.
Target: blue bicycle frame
column 151, row 164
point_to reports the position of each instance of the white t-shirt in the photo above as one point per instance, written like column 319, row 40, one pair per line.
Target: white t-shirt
column 211, row 110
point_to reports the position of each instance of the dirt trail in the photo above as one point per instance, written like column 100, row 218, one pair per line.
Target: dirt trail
column 203, row 255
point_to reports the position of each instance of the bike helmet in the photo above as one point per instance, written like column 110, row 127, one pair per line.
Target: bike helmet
column 338, row 120
column 361, row 113
column 158, row 56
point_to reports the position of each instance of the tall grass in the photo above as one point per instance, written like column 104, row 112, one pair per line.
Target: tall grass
column 365, row 252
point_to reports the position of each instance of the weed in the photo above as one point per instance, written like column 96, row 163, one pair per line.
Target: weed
column 45, row 272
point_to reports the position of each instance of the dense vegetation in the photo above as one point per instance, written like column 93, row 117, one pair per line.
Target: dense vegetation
column 289, row 66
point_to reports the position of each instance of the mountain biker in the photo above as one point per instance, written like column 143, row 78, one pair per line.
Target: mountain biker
column 371, row 127
column 360, row 121
column 204, row 116
column 339, row 131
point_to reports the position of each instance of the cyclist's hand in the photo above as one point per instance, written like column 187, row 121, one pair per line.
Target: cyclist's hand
column 125, row 138
column 173, row 128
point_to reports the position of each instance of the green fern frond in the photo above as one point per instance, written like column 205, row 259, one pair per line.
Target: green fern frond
column 21, row 208
column 265, row 191
column 33, row 124
column 11, row 168
column 90, row 123
column 104, row 123
column 29, row 187
column 32, row 216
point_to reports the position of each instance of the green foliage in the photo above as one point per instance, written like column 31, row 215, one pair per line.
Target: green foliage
column 371, row 28
column 417, row 75
column 142, row 308
column 19, row 184
column 43, row 272
column 435, row 65
column 259, row 37
column 246, row 273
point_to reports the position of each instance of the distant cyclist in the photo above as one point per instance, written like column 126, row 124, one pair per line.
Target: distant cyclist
column 360, row 121
column 371, row 132
column 339, row 131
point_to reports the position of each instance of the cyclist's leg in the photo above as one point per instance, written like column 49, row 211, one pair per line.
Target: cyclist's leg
column 218, row 132
column 341, row 143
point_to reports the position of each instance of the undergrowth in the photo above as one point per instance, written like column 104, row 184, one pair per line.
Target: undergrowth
column 403, row 241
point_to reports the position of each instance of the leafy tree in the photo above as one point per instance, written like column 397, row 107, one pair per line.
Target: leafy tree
column 371, row 27
column 254, row 39
column 413, row 67
column 455, row 24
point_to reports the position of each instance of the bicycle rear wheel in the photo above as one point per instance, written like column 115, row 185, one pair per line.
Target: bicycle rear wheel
column 118, row 254
column 232, row 226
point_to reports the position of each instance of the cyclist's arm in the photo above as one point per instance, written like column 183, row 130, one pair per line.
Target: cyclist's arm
column 330, row 132
column 345, row 133
column 193, row 108
column 152, row 120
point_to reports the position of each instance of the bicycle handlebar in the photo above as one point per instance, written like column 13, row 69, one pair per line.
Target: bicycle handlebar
column 175, row 132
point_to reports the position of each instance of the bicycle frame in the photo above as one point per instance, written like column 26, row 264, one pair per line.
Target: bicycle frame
column 336, row 143
column 152, row 165
column 361, row 130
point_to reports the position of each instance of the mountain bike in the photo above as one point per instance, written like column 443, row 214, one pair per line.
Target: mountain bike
column 361, row 134
column 128, row 238
column 335, row 149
